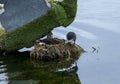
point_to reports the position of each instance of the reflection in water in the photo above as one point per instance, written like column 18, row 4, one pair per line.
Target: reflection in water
column 22, row 70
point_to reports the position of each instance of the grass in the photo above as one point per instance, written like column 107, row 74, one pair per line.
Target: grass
column 61, row 14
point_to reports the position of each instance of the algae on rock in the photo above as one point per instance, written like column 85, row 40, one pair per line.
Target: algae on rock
column 61, row 14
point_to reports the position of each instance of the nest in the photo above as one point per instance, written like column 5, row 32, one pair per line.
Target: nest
column 60, row 49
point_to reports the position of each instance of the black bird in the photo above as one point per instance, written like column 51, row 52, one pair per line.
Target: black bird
column 71, row 36
column 49, row 39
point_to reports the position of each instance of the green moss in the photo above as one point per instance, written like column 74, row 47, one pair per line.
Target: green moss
column 2, row 34
column 1, row 8
column 62, row 13
column 26, row 35
column 70, row 7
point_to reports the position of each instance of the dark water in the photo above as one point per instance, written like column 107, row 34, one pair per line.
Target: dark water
column 20, row 69
column 97, row 26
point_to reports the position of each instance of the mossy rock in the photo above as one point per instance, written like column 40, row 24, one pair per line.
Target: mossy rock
column 61, row 14
column 2, row 34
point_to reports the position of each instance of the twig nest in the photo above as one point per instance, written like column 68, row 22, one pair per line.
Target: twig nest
column 55, row 51
column 2, row 35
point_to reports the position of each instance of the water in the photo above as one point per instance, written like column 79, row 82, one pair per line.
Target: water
column 96, row 26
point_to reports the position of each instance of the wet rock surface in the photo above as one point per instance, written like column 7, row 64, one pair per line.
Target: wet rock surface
column 20, row 12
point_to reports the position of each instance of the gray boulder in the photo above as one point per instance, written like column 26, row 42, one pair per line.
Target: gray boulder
column 20, row 12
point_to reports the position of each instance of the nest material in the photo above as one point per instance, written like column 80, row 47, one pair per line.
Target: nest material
column 55, row 51
column 2, row 35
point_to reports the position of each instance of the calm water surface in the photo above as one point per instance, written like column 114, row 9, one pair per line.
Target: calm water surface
column 97, row 26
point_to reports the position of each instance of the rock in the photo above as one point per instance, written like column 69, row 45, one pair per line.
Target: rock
column 22, row 32
column 17, row 15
